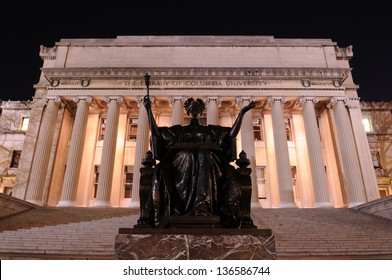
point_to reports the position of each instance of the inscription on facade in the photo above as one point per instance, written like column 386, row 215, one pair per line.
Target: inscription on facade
column 197, row 83
column 70, row 83
column 170, row 83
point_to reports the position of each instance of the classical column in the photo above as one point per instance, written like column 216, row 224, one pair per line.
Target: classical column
column 72, row 172
column 42, row 151
column 142, row 145
column 212, row 110
column 286, row 192
column 364, row 155
column 348, row 153
column 108, row 153
column 178, row 109
column 319, row 178
column 248, row 145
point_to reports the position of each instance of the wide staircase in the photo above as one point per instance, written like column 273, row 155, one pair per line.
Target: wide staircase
column 327, row 233
column 299, row 233
column 81, row 240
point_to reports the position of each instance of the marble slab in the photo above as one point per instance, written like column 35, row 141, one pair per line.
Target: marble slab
column 195, row 244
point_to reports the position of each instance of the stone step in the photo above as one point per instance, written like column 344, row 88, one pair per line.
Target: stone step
column 327, row 232
column 90, row 239
column 299, row 233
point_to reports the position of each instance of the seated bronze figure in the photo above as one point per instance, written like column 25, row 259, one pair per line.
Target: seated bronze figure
column 194, row 176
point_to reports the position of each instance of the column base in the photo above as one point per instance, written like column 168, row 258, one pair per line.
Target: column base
column 353, row 204
column 325, row 204
column 134, row 204
column 288, row 205
column 66, row 203
column 255, row 204
column 35, row 202
column 100, row 203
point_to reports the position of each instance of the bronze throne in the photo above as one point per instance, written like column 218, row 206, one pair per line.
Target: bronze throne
column 148, row 208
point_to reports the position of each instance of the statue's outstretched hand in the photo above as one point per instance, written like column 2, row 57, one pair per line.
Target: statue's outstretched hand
column 237, row 124
column 147, row 102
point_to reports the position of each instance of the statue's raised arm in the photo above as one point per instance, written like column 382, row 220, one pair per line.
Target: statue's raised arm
column 237, row 124
column 155, row 134
column 151, row 121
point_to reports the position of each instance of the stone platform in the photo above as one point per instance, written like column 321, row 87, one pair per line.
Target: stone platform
column 194, row 244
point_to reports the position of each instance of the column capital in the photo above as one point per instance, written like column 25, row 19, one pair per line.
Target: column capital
column 207, row 99
column 304, row 99
column 272, row 99
column 116, row 98
column 87, row 98
column 353, row 103
column 241, row 99
column 173, row 99
column 54, row 98
column 335, row 100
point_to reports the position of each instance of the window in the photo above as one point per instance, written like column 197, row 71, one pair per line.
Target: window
column 25, row 124
column 294, row 175
column 261, row 178
column 96, row 177
column 289, row 132
column 294, row 182
column 102, row 129
column 376, row 159
column 7, row 190
column 15, row 158
column 257, row 129
column 367, row 123
column 128, row 181
column 132, row 129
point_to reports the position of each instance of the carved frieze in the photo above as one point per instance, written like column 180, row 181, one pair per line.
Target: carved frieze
column 47, row 53
column 265, row 73
column 344, row 53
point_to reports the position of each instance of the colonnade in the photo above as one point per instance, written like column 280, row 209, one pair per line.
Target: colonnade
column 357, row 187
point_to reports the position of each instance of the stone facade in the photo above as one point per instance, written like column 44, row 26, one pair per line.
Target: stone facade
column 381, row 207
column 10, row 206
column 377, row 118
column 88, row 133
column 14, row 120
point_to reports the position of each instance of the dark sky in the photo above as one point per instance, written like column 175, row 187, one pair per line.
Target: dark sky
column 366, row 25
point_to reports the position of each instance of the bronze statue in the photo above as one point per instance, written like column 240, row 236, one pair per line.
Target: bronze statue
column 194, row 176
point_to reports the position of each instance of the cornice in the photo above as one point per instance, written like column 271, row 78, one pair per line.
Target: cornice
column 376, row 105
column 266, row 45
column 195, row 41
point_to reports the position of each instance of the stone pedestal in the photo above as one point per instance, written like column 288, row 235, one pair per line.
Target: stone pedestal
column 194, row 244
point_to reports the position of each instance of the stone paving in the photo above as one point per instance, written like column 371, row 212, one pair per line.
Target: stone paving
column 300, row 234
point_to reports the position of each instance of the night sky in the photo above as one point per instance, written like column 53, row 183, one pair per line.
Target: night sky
column 365, row 25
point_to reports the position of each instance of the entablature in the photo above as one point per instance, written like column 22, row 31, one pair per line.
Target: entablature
column 195, row 77
column 162, row 72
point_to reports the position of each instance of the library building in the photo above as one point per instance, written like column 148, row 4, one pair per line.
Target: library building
column 82, row 139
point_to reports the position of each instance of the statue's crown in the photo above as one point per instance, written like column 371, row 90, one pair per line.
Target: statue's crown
column 190, row 101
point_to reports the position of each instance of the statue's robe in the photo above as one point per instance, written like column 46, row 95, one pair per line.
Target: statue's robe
column 194, row 175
